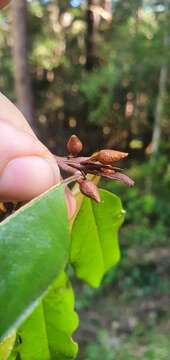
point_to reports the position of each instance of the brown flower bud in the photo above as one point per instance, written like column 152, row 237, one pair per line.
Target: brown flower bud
column 74, row 145
column 123, row 178
column 109, row 156
column 89, row 189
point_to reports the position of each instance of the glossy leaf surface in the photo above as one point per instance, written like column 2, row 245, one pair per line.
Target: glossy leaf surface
column 34, row 244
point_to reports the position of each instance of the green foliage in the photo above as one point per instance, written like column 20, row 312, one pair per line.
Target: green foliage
column 98, row 89
column 33, row 337
column 60, row 315
column 148, row 347
column 34, row 246
column 147, row 217
column 91, row 259
column 129, row 52
column 46, row 334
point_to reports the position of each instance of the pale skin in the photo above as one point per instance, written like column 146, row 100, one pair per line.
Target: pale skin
column 27, row 167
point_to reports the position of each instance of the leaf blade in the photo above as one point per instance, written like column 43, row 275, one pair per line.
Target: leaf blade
column 31, row 242
column 94, row 247
column 61, row 319
column 6, row 346
column 47, row 333
column 34, row 344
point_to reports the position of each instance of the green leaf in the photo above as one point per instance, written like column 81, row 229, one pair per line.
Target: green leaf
column 46, row 334
column 95, row 247
column 12, row 357
column 61, row 320
column 34, row 245
column 6, row 346
column 34, row 342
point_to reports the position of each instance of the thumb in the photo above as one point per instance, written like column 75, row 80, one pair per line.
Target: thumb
column 27, row 177
column 27, row 168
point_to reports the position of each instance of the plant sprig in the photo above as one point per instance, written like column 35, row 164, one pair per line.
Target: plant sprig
column 102, row 163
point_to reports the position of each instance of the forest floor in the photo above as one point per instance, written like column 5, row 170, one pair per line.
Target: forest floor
column 129, row 318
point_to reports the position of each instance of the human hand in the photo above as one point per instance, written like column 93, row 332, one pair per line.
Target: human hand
column 27, row 168
column 4, row 3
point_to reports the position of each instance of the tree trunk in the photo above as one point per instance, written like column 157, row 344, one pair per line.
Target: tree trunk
column 156, row 137
column 20, row 56
column 90, row 36
column 157, row 129
column 107, row 6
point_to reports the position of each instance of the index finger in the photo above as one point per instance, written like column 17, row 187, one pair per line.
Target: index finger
column 17, row 119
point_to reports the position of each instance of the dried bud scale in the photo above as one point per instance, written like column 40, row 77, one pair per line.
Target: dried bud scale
column 74, row 145
column 89, row 189
column 124, row 178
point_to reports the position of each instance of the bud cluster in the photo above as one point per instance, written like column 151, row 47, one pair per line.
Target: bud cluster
column 101, row 164
column 74, row 146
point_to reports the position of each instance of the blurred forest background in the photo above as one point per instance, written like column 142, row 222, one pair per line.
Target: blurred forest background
column 100, row 69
